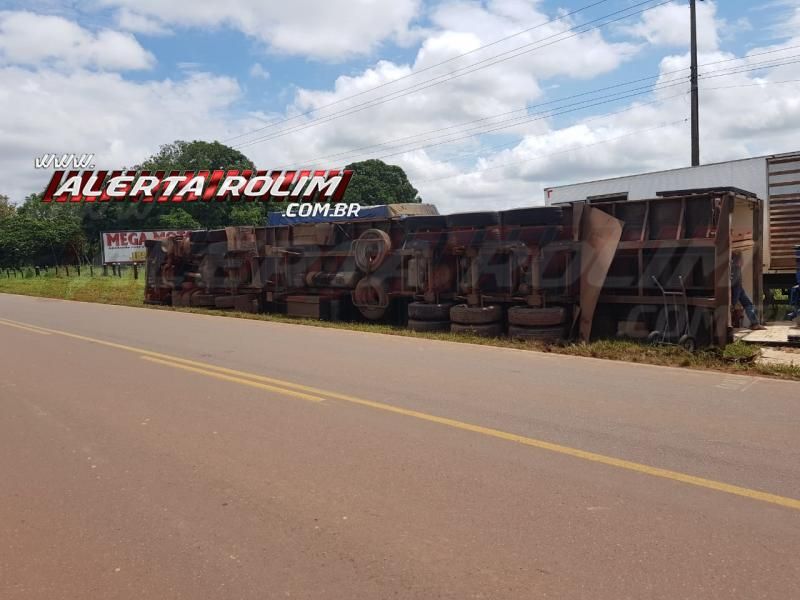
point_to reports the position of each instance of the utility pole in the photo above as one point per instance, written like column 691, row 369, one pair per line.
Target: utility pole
column 695, row 95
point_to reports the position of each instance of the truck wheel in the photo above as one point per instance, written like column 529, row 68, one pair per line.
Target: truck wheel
column 481, row 329
column 475, row 315
column 371, row 298
column 414, row 325
column 371, row 249
column 422, row 311
column 535, row 317
column 688, row 343
column 536, row 334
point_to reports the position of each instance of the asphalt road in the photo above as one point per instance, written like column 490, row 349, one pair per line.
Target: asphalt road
column 150, row 454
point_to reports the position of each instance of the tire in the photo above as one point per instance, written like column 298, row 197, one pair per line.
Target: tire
column 536, row 317
column 688, row 343
column 414, row 325
column 371, row 250
column 536, row 334
column 475, row 315
column 371, row 298
column 422, row 311
column 481, row 329
column 654, row 337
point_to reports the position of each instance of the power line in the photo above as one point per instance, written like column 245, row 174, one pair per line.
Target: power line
column 582, row 122
column 744, row 85
column 423, row 70
column 452, row 75
column 589, row 103
column 526, row 108
column 551, row 154
column 524, row 122
column 529, row 118
column 557, row 100
column 538, row 157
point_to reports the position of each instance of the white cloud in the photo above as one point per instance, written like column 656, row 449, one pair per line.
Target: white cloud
column 121, row 122
column 130, row 21
column 668, row 25
column 258, row 72
column 27, row 38
column 456, row 28
column 329, row 30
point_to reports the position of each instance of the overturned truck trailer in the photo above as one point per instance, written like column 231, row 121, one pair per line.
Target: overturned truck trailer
column 574, row 271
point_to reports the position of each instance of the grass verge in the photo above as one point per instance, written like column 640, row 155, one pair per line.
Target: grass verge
column 106, row 290
column 737, row 358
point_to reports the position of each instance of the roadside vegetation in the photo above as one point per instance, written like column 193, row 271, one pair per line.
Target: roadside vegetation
column 738, row 358
column 107, row 290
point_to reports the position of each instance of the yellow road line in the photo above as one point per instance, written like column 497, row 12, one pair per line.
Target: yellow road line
column 255, row 384
column 252, row 379
column 23, row 327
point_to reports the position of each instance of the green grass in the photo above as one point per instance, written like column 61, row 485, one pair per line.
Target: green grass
column 737, row 358
column 107, row 290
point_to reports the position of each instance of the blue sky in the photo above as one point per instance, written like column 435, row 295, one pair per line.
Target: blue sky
column 131, row 75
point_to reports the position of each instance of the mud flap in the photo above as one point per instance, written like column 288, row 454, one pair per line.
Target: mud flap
column 600, row 235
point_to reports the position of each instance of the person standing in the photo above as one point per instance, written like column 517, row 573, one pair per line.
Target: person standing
column 738, row 295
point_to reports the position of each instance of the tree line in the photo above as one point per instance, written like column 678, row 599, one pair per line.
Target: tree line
column 38, row 233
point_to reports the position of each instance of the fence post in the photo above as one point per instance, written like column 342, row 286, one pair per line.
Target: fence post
column 91, row 271
column 66, row 270
column 136, row 270
column 78, row 268
column 36, row 270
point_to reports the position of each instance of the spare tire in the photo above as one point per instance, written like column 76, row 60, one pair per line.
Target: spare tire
column 414, row 325
column 536, row 334
column 475, row 315
column 482, row 329
column 371, row 249
column 422, row 311
column 536, row 317
column 371, row 298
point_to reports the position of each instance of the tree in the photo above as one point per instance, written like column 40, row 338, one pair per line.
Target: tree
column 6, row 208
column 178, row 219
column 195, row 156
column 39, row 233
column 375, row 182
column 199, row 156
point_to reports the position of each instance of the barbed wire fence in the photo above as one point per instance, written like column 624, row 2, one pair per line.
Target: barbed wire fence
column 130, row 270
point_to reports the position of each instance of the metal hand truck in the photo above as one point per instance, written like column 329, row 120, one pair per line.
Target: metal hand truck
column 676, row 319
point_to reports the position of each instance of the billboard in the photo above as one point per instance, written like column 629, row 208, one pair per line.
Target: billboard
column 128, row 246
